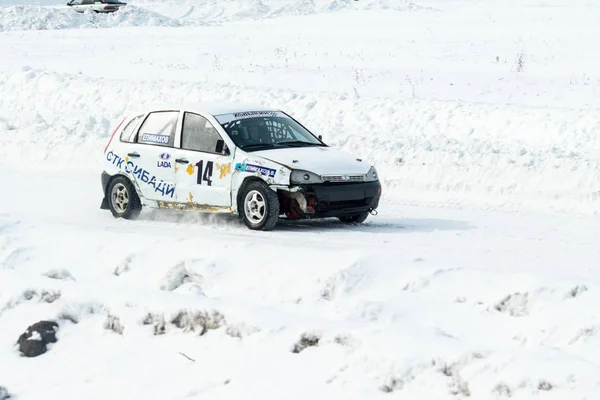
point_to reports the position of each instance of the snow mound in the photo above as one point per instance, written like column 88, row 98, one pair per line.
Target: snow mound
column 34, row 2
column 218, row 11
column 33, row 17
column 18, row 17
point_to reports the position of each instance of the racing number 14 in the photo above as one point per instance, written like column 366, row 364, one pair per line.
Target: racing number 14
column 207, row 175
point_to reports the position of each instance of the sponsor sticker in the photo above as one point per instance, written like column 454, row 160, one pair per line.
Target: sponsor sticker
column 252, row 114
column 141, row 174
column 225, row 118
column 155, row 138
column 164, row 160
column 252, row 168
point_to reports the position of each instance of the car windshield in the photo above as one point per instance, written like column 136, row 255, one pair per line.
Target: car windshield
column 262, row 130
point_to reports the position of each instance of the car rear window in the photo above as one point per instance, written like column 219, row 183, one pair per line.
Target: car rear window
column 128, row 132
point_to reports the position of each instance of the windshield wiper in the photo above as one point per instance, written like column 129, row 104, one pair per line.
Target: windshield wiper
column 296, row 142
column 256, row 145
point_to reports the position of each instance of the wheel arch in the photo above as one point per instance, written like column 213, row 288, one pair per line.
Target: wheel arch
column 240, row 189
column 270, row 204
column 106, row 181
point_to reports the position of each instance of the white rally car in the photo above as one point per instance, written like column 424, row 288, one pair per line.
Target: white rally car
column 258, row 163
column 97, row 6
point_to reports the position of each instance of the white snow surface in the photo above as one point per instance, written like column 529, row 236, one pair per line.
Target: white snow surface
column 478, row 278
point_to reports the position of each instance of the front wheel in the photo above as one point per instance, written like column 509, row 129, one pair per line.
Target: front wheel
column 123, row 201
column 259, row 206
column 357, row 218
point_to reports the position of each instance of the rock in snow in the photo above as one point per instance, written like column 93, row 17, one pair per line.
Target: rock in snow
column 33, row 342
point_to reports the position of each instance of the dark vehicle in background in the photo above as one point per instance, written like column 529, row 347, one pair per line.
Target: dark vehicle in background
column 98, row 6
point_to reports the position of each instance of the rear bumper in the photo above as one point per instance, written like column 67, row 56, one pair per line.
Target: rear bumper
column 338, row 199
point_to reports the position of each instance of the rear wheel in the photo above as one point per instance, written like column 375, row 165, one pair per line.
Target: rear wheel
column 123, row 201
column 357, row 218
column 259, row 206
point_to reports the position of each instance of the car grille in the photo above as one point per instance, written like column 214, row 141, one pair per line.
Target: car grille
column 343, row 178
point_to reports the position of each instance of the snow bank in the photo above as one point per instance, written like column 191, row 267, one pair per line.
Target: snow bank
column 35, row 2
column 218, row 11
column 426, row 151
column 32, row 17
column 27, row 16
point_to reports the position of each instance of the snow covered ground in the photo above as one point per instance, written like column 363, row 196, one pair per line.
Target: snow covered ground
column 426, row 303
column 477, row 278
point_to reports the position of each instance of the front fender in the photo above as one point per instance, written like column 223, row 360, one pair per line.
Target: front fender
column 247, row 168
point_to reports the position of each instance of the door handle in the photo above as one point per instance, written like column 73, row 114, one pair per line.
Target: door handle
column 181, row 161
column 134, row 155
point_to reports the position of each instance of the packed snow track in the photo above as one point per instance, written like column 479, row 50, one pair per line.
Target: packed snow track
column 477, row 279
column 419, row 300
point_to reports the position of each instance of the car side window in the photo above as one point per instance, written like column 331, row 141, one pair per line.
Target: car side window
column 129, row 131
column 159, row 128
column 199, row 134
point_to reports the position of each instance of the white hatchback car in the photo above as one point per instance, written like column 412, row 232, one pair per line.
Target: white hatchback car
column 97, row 6
column 258, row 163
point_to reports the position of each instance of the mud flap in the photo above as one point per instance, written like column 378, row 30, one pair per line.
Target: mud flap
column 104, row 178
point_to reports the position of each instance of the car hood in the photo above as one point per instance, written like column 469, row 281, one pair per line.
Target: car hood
column 319, row 160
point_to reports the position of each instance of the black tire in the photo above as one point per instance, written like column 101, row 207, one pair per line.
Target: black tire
column 356, row 219
column 129, row 206
column 264, row 213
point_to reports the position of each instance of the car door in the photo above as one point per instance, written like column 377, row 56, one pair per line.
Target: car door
column 149, row 160
column 203, row 165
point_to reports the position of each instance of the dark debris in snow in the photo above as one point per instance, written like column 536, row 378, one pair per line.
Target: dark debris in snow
column 306, row 340
column 34, row 341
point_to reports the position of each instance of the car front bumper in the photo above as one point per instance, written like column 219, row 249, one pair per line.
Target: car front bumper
column 338, row 199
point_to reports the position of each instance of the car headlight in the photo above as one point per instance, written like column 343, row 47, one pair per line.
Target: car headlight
column 372, row 175
column 299, row 176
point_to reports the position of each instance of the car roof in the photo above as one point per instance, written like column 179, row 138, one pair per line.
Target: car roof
column 205, row 108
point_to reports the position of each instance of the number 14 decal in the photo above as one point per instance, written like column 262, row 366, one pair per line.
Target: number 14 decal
column 205, row 175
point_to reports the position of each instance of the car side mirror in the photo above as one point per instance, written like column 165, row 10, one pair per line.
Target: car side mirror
column 222, row 148
column 320, row 137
